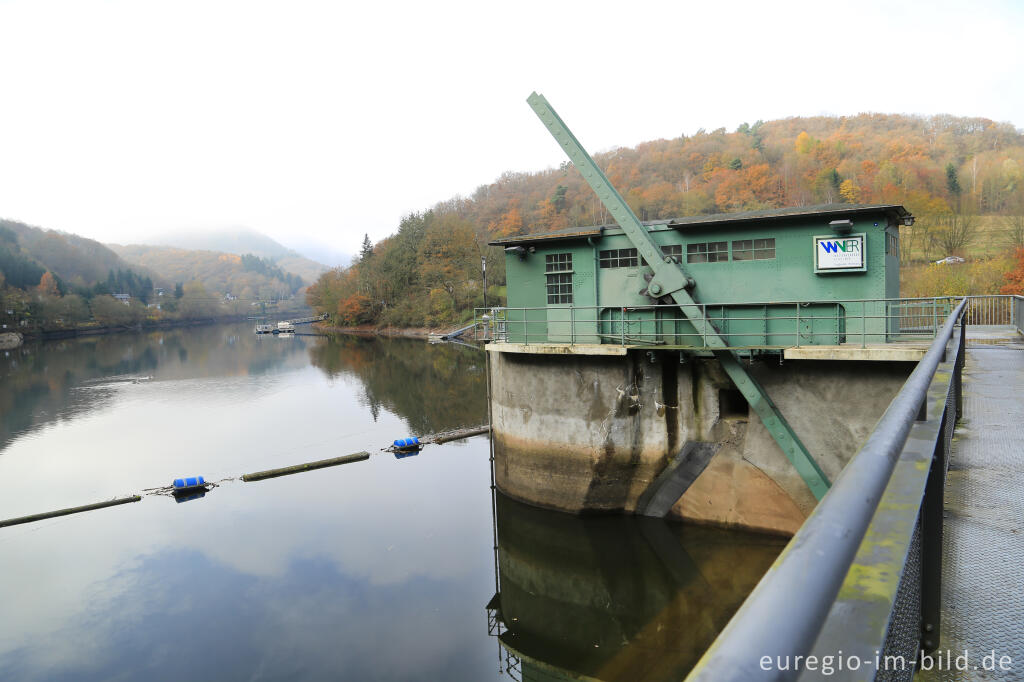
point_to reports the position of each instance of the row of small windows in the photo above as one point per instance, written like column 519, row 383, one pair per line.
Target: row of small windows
column 742, row 249
column 618, row 258
column 558, row 266
column 706, row 252
column 628, row 258
column 753, row 249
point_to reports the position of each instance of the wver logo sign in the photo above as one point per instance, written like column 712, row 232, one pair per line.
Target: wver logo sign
column 839, row 253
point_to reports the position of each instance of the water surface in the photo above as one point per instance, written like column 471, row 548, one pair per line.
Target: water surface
column 377, row 570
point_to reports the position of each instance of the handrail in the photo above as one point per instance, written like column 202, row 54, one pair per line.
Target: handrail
column 784, row 614
column 782, row 323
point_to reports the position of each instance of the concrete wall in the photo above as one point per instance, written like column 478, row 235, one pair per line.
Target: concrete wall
column 584, row 433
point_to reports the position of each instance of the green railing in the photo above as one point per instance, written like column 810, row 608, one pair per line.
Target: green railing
column 756, row 325
column 996, row 310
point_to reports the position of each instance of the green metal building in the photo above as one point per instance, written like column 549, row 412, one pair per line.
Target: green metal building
column 818, row 275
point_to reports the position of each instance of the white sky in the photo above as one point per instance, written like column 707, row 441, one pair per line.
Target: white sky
column 319, row 121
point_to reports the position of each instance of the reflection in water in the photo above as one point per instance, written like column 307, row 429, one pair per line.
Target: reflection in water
column 45, row 382
column 615, row 598
column 434, row 387
column 321, row 575
column 375, row 570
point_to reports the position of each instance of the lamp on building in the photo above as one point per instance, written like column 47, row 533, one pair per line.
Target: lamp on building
column 841, row 226
column 520, row 251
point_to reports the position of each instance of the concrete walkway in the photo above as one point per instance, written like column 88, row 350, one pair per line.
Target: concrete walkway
column 983, row 569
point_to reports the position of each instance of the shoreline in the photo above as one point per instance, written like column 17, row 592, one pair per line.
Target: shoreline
column 52, row 334
column 423, row 333
column 370, row 330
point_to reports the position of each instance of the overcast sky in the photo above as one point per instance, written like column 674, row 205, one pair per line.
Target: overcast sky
column 321, row 121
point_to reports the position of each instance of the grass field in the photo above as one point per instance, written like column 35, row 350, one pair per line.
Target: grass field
column 989, row 256
column 992, row 238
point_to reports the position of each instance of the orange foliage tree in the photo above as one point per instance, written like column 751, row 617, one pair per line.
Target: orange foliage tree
column 48, row 285
column 355, row 309
column 1015, row 277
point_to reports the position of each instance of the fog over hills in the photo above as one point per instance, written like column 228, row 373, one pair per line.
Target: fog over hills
column 242, row 240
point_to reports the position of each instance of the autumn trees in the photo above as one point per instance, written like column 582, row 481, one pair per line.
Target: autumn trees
column 948, row 171
column 427, row 273
column 1015, row 277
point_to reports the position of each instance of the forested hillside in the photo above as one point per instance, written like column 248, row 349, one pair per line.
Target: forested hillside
column 53, row 280
column 242, row 240
column 947, row 171
column 247, row 276
column 75, row 261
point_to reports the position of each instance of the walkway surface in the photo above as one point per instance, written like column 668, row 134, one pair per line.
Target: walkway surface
column 983, row 563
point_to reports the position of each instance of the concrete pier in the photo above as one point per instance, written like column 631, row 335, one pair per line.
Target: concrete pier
column 584, row 432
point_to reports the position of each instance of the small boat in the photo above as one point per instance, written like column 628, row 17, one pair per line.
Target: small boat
column 264, row 328
column 285, row 328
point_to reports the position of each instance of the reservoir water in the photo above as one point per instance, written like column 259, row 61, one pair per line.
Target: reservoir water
column 384, row 569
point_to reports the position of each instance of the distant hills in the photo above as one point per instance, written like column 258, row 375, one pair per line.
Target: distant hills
column 244, row 276
column 240, row 262
column 26, row 252
column 243, row 240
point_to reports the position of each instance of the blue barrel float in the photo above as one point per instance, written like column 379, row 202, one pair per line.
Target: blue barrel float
column 191, row 488
column 188, row 484
column 406, row 447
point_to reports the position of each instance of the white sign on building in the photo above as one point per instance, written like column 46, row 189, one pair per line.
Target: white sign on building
column 840, row 253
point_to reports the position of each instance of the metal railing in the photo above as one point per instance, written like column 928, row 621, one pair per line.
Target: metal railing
column 1017, row 317
column 861, row 577
column 755, row 325
column 991, row 310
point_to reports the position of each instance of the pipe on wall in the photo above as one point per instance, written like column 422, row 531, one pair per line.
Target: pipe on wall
column 597, row 287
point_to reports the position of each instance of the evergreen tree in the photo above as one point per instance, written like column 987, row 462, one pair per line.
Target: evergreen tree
column 952, row 180
column 366, row 252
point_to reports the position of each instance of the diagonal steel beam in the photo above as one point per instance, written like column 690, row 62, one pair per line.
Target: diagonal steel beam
column 671, row 280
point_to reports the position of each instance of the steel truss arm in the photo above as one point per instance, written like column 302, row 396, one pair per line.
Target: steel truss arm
column 670, row 279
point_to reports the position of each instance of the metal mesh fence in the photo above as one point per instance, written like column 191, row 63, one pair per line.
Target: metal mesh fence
column 903, row 638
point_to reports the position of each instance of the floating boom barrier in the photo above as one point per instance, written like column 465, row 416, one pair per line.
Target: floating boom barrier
column 70, row 510
column 308, row 466
column 184, row 489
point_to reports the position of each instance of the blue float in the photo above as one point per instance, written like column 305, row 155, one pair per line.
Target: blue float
column 187, row 484
column 405, row 444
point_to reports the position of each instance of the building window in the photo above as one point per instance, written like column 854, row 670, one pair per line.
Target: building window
column 559, row 288
column 753, row 249
column 675, row 251
column 558, row 262
column 892, row 244
column 618, row 258
column 558, row 272
column 708, row 252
